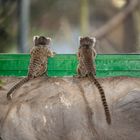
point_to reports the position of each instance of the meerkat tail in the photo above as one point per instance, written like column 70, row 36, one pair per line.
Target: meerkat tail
column 103, row 98
column 19, row 84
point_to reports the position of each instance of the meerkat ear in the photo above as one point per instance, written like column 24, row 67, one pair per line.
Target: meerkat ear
column 80, row 38
column 48, row 40
column 94, row 40
column 35, row 40
column 35, row 37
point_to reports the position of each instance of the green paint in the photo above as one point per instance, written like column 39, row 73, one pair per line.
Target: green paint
column 65, row 65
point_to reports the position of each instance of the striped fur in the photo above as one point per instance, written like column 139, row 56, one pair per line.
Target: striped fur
column 37, row 67
column 19, row 84
column 86, row 68
column 103, row 98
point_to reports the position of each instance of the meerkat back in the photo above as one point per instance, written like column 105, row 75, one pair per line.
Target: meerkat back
column 38, row 61
column 86, row 68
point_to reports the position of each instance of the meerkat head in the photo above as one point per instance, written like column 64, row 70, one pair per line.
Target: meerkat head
column 41, row 40
column 87, row 41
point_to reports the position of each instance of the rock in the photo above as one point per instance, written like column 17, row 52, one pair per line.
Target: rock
column 70, row 109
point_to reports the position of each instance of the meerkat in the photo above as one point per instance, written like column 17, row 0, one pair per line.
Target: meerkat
column 38, row 61
column 86, row 55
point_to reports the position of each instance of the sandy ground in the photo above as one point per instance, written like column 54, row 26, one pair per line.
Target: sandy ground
column 70, row 109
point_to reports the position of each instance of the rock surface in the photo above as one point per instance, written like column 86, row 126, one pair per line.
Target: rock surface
column 70, row 109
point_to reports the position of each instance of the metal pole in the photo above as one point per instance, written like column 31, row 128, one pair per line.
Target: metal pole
column 23, row 27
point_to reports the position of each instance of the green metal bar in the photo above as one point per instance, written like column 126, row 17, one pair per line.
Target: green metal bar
column 65, row 65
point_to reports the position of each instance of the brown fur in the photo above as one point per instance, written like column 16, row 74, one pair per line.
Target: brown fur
column 86, row 56
column 37, row 67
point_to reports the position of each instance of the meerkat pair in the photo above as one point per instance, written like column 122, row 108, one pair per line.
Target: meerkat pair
column 86, row 56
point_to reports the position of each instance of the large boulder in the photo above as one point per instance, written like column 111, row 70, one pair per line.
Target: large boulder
column 70, row 109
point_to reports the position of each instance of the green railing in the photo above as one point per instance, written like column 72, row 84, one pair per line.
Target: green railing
column 65, row 65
